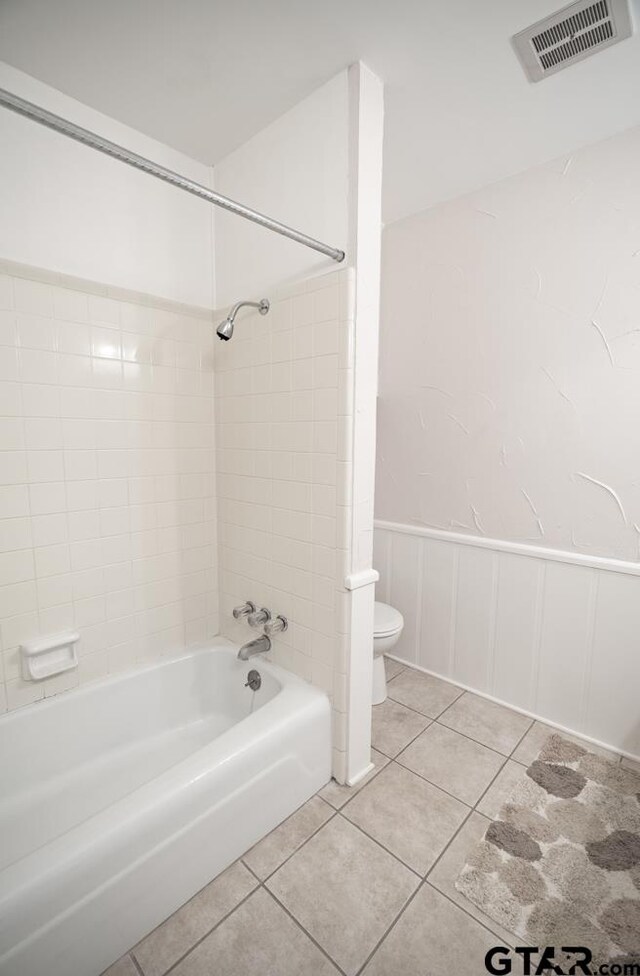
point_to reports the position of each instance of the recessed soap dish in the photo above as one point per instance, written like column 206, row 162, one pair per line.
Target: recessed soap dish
column 45, row 656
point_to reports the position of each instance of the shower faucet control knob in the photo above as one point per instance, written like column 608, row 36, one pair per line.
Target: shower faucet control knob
column 276, row 626
column 261, row 616
column 244, row 610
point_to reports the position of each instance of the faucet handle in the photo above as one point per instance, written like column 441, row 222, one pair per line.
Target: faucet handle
column 244, row 610
column 258, row 617
column 276, row 626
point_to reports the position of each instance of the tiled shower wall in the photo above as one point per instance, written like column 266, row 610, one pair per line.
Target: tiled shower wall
column 106, row 475
column 284, row 429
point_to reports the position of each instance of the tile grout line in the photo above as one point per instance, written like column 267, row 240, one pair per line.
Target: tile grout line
column 389, row 929
column 508, row 759
column 410, row 742
column 505, row 755
column 463, row 909
column 195, row 945
column 521, row 740
column 484, row 792
column 442, row 725
column 136, row 964
column 303, row 930
column 431, row 783
column 461, row 692
column 386, row 849
column 420, row 877
column 448, row 844
column 324, row 823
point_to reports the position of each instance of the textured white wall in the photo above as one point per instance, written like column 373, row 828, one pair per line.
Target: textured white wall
column 509, row 400
column 295, row 170
column 70, row 209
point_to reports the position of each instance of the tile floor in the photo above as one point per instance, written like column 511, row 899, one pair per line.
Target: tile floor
column 361, row 880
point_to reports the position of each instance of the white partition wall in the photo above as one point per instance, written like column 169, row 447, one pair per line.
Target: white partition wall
column 367, row 115
column 296, row 397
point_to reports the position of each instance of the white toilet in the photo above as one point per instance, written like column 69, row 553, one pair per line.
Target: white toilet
column 387, row 627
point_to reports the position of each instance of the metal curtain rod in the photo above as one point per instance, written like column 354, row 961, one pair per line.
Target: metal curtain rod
column 66, row 128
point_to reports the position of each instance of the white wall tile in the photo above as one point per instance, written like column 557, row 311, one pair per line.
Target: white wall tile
column 89, row 473
column 276, row 451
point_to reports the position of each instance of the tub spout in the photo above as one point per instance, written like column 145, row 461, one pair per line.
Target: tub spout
column 258, row 646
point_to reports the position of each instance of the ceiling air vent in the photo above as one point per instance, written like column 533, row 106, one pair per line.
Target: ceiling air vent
column 572, row 34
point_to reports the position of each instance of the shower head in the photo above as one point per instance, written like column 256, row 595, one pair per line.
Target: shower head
column 225, row 329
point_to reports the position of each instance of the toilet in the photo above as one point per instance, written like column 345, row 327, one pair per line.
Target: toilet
column 387, row 627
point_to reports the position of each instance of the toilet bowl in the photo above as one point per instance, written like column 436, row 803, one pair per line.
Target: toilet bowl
column 387, row 627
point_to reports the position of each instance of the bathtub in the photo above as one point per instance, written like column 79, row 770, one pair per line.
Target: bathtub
column 121, row 800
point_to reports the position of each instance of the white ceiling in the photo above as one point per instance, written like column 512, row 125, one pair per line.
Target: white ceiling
column 204, row 75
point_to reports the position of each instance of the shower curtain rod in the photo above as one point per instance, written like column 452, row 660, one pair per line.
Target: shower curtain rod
column 87, row 138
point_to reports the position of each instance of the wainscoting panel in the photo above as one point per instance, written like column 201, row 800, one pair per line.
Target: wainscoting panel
column 440, row 572
column 475, row 594
column 555, row 636
column 612, row 698
column 565, row 642
column 516, row 634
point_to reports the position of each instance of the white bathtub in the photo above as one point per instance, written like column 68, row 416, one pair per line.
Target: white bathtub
column 121, row 800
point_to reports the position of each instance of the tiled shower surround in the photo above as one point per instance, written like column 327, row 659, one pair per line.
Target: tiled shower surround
column 108, row 467
column 284, row 429
column 106, row 476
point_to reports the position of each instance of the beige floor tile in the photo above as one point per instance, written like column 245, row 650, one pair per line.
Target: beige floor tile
column 501, row 788
column 258, row 939
column 169, row 942
column 444, row 875
column 345, row 890
column 538, row 734
column 393, row 727
column 411, row 818
column 432, row 938
column 337, row 795
column 123, row 967
column 277, row 846
column 491, row 724
column 449, row 760
column 392, row 668
column 423, row 692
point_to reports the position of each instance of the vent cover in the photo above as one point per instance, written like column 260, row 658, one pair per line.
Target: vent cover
column 574, row 33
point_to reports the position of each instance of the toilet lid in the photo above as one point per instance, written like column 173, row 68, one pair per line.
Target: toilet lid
column 386, row 620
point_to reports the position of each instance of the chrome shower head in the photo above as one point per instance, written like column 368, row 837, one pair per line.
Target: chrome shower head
column 225, row 329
